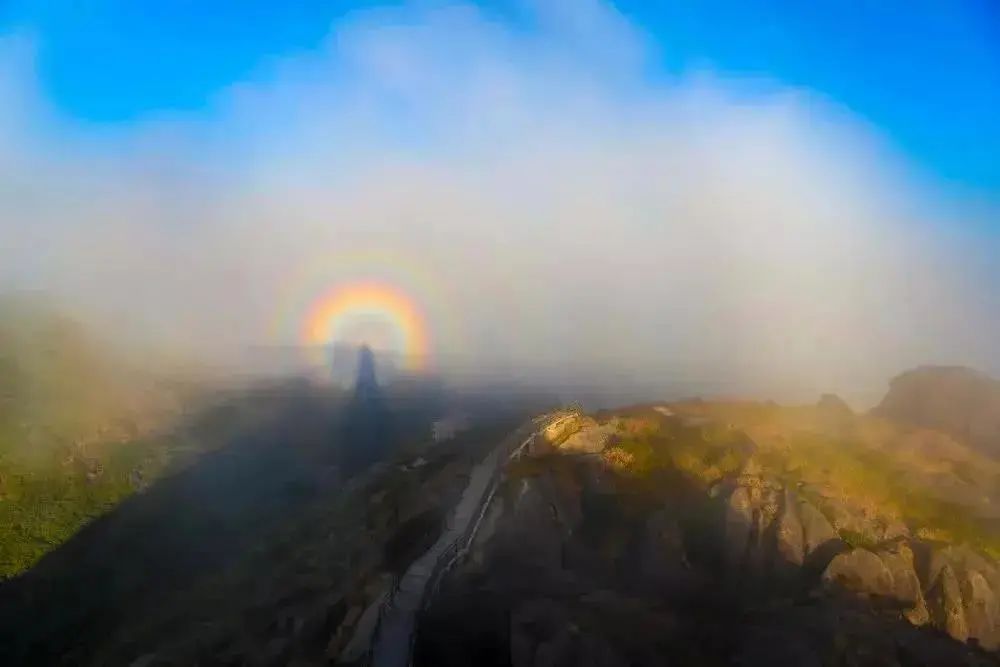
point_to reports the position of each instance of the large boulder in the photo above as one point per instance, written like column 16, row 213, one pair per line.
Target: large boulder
column 848, row 517
column 817, row 530
column 591, row 439
column 761, row 549
column 783, row 545
column 548, row 439
column 789, row 539
column 564, row 426
column 976, row 587
column 886, row 575
column 944, row 602
column 859, row 571
column 906, row 589
column 760, row 530
column 982, row 614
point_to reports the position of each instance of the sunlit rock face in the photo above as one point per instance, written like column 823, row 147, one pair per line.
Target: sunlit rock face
column 655, row 536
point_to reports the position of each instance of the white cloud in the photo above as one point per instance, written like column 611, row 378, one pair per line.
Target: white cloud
column 553, row 208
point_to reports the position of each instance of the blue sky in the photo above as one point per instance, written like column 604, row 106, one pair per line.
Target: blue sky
column 925, row 74
column 802, row 194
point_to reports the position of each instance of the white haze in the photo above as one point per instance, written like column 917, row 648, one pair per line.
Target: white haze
column 565, row 213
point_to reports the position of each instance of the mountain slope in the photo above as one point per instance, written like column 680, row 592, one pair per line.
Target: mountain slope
column 668, row 534
column 952, row 399
column 80, row 429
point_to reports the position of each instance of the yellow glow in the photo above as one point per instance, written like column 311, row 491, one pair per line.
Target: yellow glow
column 335, row 312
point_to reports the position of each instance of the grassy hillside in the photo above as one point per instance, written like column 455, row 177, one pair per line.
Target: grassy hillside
column 78, row 430
column 872, row 477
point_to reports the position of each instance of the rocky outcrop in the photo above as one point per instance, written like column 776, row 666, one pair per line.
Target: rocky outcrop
column 607, row 568
column 563, row 427
column 981, row 609
column 771, row 532
column 790, row 542
column 773, row 535
column 751, row 525
column 885, row 576
column 944, row 602
column 906, row 589
column 816, row 528
column 570, row 433
column 859, row 571
column 851, row 519
column 591, row 439
column 962, row 595
column 957, row 596
column 958, row 401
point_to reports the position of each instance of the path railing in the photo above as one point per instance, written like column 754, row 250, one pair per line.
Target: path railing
column 453, row 554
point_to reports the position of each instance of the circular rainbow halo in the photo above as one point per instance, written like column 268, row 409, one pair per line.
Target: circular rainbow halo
column 371, row 313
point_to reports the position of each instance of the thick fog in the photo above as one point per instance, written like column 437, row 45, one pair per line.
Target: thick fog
column 557, row 210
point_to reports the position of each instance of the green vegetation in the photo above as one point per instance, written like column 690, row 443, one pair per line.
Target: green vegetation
column 71, row 422
column 872, row 469
column 706, row 454
column 868, row 476
column 43, row 506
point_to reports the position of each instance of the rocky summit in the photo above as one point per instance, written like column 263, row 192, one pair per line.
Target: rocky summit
column 669, row 535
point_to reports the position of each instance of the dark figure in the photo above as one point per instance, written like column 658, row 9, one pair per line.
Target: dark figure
column 367, row 434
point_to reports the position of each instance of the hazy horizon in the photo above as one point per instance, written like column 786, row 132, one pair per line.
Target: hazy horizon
column 552, row 200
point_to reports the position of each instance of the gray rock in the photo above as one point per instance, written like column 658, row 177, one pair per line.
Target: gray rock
column 789, row 539
column 760, row 550
column 590, row 439
column 560, row 429
column 978, row 582
column 816, row 529
column 859, row 571
column 944, row 602
column 906, row 590
column 982, row 612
